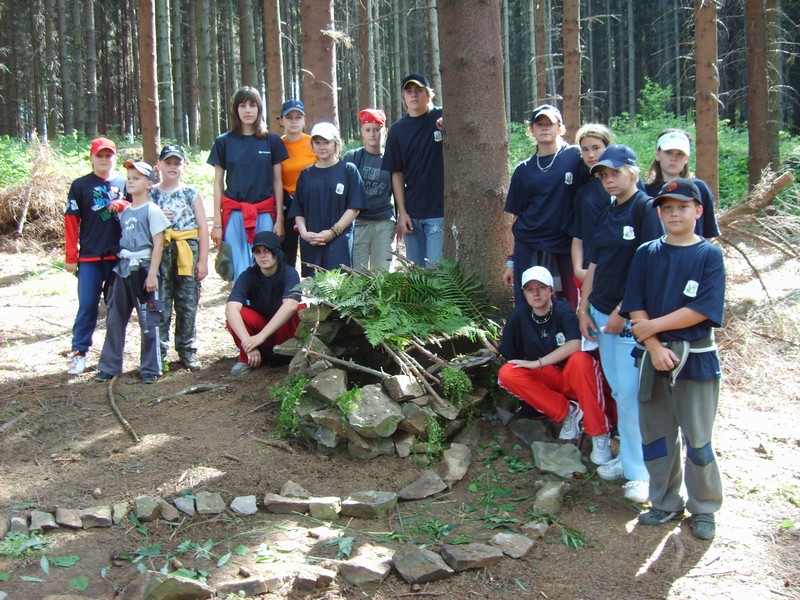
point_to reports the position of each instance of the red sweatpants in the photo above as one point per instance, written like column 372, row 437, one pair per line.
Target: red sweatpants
column 255, row 322
column 548, row 390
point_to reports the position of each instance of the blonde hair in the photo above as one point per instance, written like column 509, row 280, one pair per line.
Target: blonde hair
column 595, row 130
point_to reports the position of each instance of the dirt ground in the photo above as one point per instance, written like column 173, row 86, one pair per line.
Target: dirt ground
column 61, row 445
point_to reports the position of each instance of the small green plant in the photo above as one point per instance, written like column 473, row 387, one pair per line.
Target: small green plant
column 517, row 465
column 344, row 545
column 432, row 529
column 456, row 384
column 22, row 545
column 288, row 394
column 572, row 538
column 349, row 401
column 653, row 100
column 435, row 441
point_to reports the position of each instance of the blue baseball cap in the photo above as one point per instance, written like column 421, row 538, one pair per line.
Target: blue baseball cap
column 291, row 105
column 679, row 189
column 172, row 150
column 416, row 79
column 614, row 157
column 548, row 110
column 143, row 168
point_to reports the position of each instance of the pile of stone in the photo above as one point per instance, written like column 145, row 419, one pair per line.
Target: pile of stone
column 400, row 394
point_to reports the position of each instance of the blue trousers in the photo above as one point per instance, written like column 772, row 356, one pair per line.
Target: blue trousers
column 94, row 278
column 426, row 241
column 236, row 236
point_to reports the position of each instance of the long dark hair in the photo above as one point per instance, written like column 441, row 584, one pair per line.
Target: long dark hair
column 246, row 94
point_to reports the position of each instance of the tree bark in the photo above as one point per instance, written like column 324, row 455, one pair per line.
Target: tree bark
column 434, row 52
column 204, row 97
column 247, row 43
column 176, row 43
column 571, row 29
column 477, row 232
column 540, row 53
column 274, row 59
column 65, row 68
column 148, row 90
column 50, row 70
column 757, row 88
column 319, row 61
column 166, row 109
column 38, row 96
column 90, row 122
column 707, row 93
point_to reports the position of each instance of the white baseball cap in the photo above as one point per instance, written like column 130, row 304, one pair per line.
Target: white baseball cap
column 325, row 130
column 675, row 140
column 537, row 274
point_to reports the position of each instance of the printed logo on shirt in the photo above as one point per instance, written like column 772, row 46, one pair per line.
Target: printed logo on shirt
column 264, row 152
column 568, row 178
column 691, row 289
column 628, row 233
column 561, row 339
column 340, row 188
column 437, row 136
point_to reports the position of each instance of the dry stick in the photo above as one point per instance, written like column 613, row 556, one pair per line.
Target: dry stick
column 789, row 245
column 417, row 343
column 274, row 443
column 413, row 363
column 12, row 422
column 125, row 425
column 757, row 202
column 762, row 239
column 350, row 364
column 443, row 404
column 752, row 266
column 192, row 389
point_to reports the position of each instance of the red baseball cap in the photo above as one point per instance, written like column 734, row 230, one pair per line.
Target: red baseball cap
column 102, row 144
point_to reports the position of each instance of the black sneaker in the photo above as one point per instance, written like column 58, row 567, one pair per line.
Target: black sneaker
column 190, row 361
column 103, row 377
column 703, row 526
column 149, row 378
column 655, row 516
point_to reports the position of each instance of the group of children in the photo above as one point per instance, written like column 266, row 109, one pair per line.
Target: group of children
column 648, row 291
column 597, row 263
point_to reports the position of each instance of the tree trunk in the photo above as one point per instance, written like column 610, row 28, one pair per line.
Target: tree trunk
column 706, row 93
column 540, row 29
column 477, row 232
column 571, row 29
column 433, row 51
column 631, row 61
column 165, row 105
column 400, row 69
column 609, row 62
column 366, row 89
column 774, row 77
column 506, row 56
column 204, row 97
column 192, row 84
column 274, row 59
column 176, row 43
column 38, row 97
column 148, row 91
column 90, row 122
column 50, row 70
column 319, row 61
column 757, row 88
column 677, row 18
column 218, row 97
column 64, row 62
column 247, row 43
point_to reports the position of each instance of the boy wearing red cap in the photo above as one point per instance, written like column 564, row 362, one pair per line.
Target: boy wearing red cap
column 90, row 234
column 374, row 228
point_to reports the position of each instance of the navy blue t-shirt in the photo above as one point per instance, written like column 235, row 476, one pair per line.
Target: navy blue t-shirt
column 526, row 340
column 88, row 199
column 590, row 200
column 248, row 162
column 324, row 194
column 414, row 147
column 664, row 278
column 265, row 294
column 706, row 225
column 616, row 238
column 377, row 185
column 541, row 197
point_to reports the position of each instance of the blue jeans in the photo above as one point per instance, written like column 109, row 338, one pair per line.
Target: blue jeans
column 426, row 241
column 94, row 278
column 623, row 377
column 236, row 236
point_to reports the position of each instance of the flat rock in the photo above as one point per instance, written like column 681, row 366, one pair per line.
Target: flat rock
column 275, row 503
column 514, row 545
column 166, row 511
column 96, row 516
column 118, row 512
column 209, row 503
column 313, row 577
column 402, row 387
column 420, row 565
column 505, row 416
column 422, row 400
column 314, row 313
column 185, row 504
column 308, row 404
column 42, row 521
column 325, row 508
column 530, row 430
column 375, row 415
column 68, row 517
column 244, row 505
column 302, row 364
column 456, row 460
column 428, row 484
column 535, row 529
column 562, row 459
column 470, row 435
column 252, row 586
column 403, row 442
column 291, row 489
column 18, row 524
column 330, row 417
column 366, row 448
column 323, row 436
column 369, row 568
column 415, row 420
column 369, row 504
column 471, row 556
column 550, row 499
column 328, row 386
column 151, row 585
column 146, row 509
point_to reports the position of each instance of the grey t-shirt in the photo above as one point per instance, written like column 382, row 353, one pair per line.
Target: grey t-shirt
column 139, row 225
column 377, row 184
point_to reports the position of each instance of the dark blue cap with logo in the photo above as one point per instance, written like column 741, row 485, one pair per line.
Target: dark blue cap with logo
column 679, row 189
column 416, row 79
column 291, row 105
column 614, row 157
column 172, row 150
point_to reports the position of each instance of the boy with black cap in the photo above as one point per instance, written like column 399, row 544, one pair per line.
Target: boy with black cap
column 184, row 263
column 136, row 284
column 413, row 156
column 90, row 235
column 261, row 311
column 675, row 296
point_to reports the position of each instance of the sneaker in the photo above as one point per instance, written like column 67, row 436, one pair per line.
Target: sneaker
column 571, row 425
column 190, row 360
column 149, row 378
column 240, row 368
column 601, row 450
column 658, row 517
column 637, row 491
column 77, row 364
column 703, row 526
column 102, row 377
column 610, row 471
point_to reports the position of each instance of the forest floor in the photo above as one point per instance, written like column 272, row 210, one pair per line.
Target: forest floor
column 61, row 446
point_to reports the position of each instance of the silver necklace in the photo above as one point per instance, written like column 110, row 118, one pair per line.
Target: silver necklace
column 542, row 320
column 552, row 161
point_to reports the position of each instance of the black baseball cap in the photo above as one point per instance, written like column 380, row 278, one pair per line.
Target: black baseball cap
column 291, row 105
column 416, row 79
column 679, row 189
column 548, row 110
column 172, row 150
column 614, row 157
column 268, row 239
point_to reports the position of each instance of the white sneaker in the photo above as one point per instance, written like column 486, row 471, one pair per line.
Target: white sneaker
column 601, row 452
column 637, row 491
column 77, row 364
column 571, row 425
column 611, row 470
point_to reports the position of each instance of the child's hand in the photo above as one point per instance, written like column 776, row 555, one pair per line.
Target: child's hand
column 168, row 213
column 615, row 323
column 588, row 326
column 663, row 358
column 71, row 268
column 151, row 283
column 508, row 276
column 251, row 343
column 216, row 235
column 279, row 230
column 643, row 329
column 201, row 270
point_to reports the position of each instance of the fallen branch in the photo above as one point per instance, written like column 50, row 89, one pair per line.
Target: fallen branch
column 349, row 364
column 275, row 444
column 758, row 200
column 749, row 262
column 6, row 426
column 232, row 457
column 762, row 239
column 125, row 425
column 192, row 389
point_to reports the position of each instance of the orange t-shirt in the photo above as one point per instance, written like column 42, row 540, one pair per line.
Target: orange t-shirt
column 301, row 155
